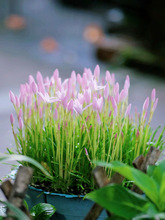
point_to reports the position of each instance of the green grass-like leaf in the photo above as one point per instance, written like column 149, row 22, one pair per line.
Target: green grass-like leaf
column 17, row 212
column 13, row 157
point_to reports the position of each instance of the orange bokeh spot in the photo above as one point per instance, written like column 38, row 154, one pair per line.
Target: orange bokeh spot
column 49, row 44
column 93, row 33
column 15, row 22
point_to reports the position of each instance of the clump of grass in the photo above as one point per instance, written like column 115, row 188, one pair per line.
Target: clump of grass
column 67, row 125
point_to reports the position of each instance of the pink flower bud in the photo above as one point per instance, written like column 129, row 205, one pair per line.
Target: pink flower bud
column 20, row 113
column 127, row 83
column 41, row 88
column 137, row 133
column 155, row 104
column 113, row 102
column 23, row 89
column 12, row 97
column 34, row 87
column 81, row 98
column 100, row 104
column 70, row 105
column 127, row 112
column 73, row 77
column 153, row 95
column 116, row 88
column 95, row 106
column 108, row 77
column 31, row 79
column 17, row 102
column 123, row 95
column 87, row 96
column 106, row 91
column 87, row 118
column 146, row 104
column 39, row 77
column 79, row 79
column 97, row 72
column 86, row 152
column 102, row 81
column 56, row 74
column 117, row 97
column 113, row 79
column 65, row 102
column 20, row 123
column 47, row 83
column 58, row 83
column 27, row 88
column 116, row 136
column 114, row 106
column 11, row 119
column 29, row 100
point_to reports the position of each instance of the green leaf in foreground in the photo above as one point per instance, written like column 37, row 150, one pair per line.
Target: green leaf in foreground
column 120, row 201
column 5, row 158
column 17, row 212
column 143, row 181
column 42, row 211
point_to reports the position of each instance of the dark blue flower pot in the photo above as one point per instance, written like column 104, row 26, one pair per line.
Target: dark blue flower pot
column 68, row 207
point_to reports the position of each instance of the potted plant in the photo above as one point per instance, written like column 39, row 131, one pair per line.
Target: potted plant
column 67, row 125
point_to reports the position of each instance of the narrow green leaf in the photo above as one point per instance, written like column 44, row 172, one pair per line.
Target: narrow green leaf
column 18, row 213
column 142, row 180
column 119, row 201
column 42, row 211
column 4, row 158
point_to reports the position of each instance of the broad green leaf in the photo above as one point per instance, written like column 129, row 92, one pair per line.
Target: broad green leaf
column 158, row 171
column 162, row 193
column 17, row 212
column 42, row 211
column 142, row 180
column 119, row 201
column 5, row 158
column 159, row 176
column 150, row 169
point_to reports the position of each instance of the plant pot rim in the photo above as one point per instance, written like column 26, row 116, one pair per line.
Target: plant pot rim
column 56, row 194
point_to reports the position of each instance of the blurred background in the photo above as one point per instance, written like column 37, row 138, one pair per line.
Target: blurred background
column 123, row 36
